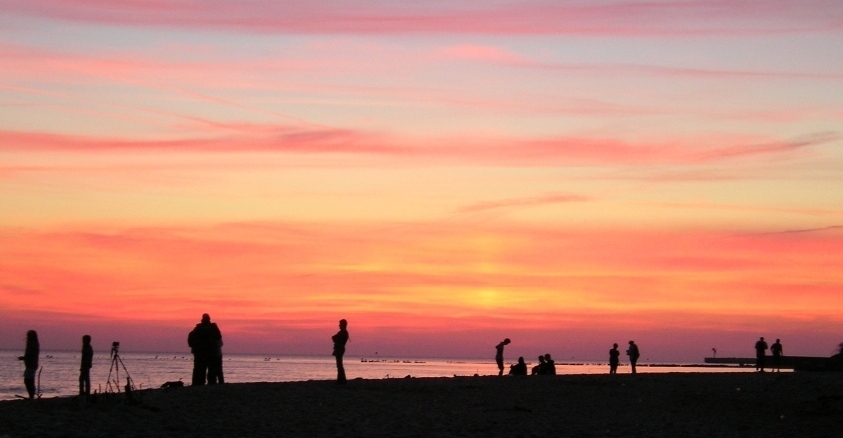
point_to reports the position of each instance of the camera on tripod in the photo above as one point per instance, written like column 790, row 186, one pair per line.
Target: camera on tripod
column 113, row 385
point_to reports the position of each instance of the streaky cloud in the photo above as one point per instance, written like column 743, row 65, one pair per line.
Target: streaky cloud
column 808, row 230
column 628, row 18
column 751, row 208
column 283, row 139
column 500, row 56
column 557, row 198
column 737, row 151
column 477, row 150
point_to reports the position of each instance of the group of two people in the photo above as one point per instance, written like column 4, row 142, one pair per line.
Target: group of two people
column 615, row 357
column 205, row 342
column 761, row 354
column 546, row 366
column 30, row 361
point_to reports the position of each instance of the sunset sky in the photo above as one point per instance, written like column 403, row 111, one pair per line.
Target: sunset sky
column 443, row 174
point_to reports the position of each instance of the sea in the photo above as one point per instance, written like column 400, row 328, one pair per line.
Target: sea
column 59, row 370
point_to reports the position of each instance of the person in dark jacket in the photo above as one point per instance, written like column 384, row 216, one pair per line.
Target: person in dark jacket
column 85, row 367
column 340, row 339
column 30, row 361
column 614, row 359
column 549, row 365
column 519, row 369
column 778, row 352
column 215, row 366
column 540, row 368
column 633, row 354
column 760, row 354
column 204, row 341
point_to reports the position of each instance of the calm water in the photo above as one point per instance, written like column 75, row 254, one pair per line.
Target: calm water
column 60, row 373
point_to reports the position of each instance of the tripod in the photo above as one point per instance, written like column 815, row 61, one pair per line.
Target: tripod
column 116, row 363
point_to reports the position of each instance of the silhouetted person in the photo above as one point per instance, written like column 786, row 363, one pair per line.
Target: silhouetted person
column 215, row 365
column 760, row 354
column 778, row 352
column 30, row 361
column 499, row 355
column 519, row 369
column 340, row 340
column 204, row 341
column 538, row 369
column 549, row 365
column 633, row 354
column 85, row 367
column 614, row 359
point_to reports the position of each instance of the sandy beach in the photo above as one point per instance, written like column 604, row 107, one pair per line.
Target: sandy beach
column 650, row 405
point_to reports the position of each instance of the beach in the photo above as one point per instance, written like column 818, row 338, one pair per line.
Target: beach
column 643, row 405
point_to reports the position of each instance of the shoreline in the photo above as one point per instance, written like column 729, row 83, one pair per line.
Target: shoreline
column 651, row 404
column 60, row 371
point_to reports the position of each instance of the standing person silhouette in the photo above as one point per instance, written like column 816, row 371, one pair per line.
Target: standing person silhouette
column 340, row 340
column 778, row 352
column 633, row 354
column 614, row 359
column 85, row 367
column 215, row 363
column 30, row 361
column 499, row 355
column 760, row 354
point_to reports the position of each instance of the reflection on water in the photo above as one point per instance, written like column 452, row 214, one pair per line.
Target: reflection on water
column 60, row 375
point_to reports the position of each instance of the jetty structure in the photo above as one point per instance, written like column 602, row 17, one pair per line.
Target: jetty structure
column 796, row 363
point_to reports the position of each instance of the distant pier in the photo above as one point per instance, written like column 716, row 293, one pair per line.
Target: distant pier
column 798, row 363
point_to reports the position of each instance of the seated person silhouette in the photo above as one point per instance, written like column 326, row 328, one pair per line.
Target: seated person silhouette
column 519, row 369
column 550, row 365
column 540, row 368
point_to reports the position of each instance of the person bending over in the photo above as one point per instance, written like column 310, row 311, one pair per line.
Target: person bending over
column 499, row 355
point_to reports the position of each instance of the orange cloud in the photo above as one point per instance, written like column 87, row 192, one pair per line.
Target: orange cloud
column 422, row 278
column 523, row 202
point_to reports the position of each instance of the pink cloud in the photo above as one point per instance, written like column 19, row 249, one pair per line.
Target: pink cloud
column 685, row 151
column 537, row 17
column 239, row 137
column 283, row 139
column 190, row 79
column 480, row 53
column 176, row 75
column 503, row 57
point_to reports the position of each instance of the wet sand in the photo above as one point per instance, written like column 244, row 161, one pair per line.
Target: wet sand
column 644, row 405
